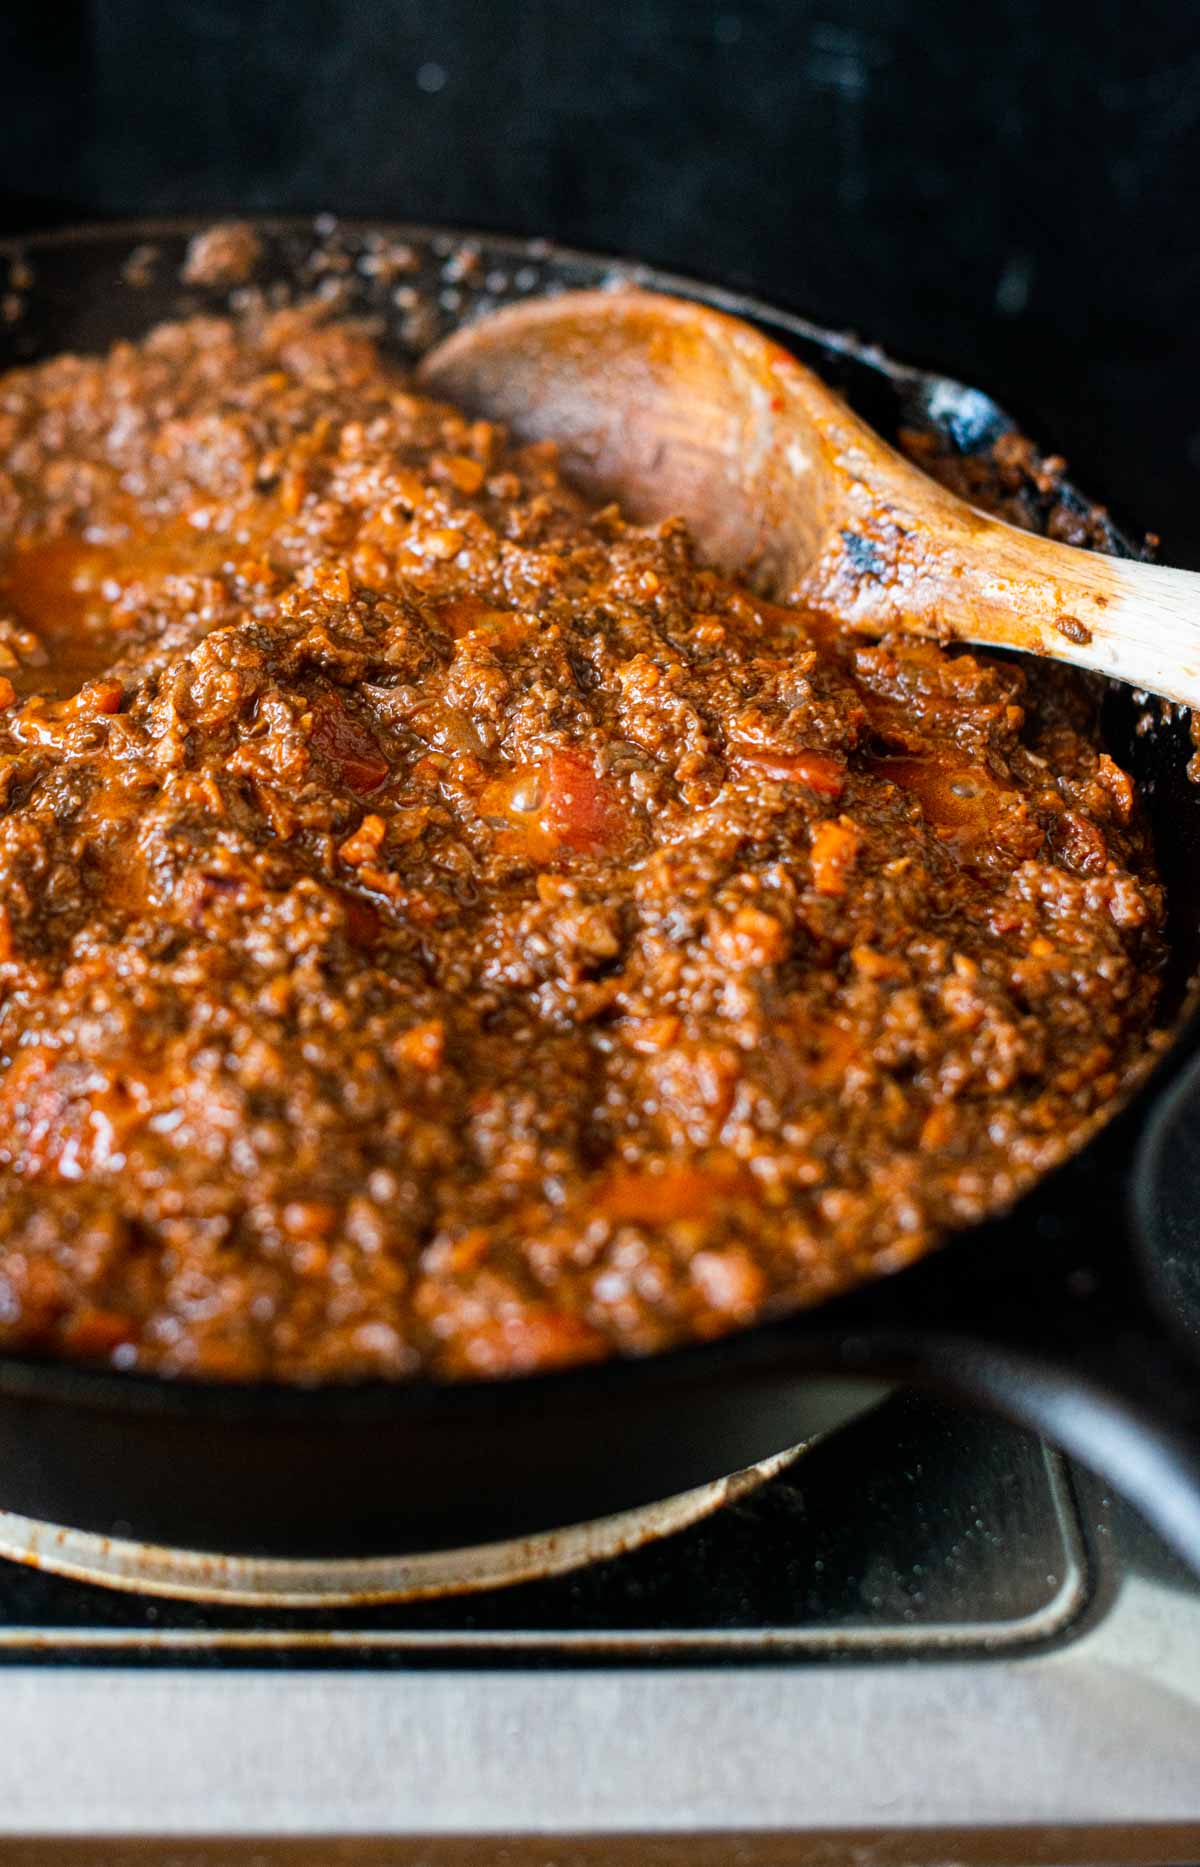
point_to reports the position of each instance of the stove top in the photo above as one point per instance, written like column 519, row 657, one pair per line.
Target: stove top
column 927, row 1622
column 922, row 1532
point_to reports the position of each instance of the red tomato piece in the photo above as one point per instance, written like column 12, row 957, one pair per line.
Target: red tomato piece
column 363, row 924
column 582, row 810
column 344, row 742
column 818, row 770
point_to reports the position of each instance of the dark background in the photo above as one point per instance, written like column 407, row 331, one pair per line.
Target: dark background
column 1007, row 191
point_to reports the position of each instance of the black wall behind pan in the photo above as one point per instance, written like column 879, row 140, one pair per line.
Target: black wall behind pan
column 1010, row 192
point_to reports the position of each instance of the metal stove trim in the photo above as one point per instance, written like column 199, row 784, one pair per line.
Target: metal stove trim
column 1046, row 1624
column 1102, row 1731
column 276, row 1582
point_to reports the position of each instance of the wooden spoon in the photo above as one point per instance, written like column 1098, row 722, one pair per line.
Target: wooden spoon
column 672, row 408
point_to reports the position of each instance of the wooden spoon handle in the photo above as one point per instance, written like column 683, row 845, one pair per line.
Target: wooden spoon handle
column 908, row 554
column 1137, row 622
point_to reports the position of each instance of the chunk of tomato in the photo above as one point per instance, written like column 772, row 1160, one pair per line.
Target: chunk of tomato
column 344, row 742
column 818, row 771
column 583, row 811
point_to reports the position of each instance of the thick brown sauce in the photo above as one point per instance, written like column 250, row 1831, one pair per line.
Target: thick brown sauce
column 445, row 928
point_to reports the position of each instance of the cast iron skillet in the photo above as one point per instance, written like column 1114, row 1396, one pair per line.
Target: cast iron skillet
column 1055, row 1313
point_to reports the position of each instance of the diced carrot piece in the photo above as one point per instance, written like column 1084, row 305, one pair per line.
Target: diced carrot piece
column 422, row 1045
column 834, row 853
column 678, row 1192
column 364, row 844
column 463, row 473
column 750, row 938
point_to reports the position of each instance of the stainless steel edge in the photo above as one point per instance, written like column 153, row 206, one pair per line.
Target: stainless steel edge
column 1103, row 1730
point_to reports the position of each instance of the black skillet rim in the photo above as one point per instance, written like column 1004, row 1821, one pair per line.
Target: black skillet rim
column 767, row 1345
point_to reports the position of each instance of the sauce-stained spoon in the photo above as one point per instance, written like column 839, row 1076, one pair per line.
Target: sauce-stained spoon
column 672, row 408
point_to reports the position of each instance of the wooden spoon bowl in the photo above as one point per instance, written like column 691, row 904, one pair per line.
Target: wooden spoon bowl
column 673, row 408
